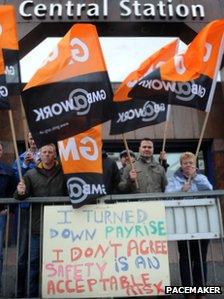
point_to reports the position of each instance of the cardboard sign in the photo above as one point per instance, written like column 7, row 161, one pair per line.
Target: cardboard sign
column 105, row 251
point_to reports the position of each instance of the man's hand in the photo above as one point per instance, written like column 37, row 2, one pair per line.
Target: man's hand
column 186, row 186
column 3, row 212
column 21, row 188
column 28, row 157
column 162, row 156
column 133, row 175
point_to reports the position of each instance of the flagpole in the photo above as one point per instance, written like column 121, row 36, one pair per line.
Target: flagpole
column 14, row 143
column 202, row 134
column 24, row 122
column 25, row 131
column 166, row 127
column 129, row 157
column 210, row 99
column 25, row 126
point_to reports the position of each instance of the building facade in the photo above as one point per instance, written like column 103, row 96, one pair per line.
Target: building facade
column 37, row 20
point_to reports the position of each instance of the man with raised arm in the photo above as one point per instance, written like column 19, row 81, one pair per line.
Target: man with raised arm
column 147, row 172
column 188, row 179
column 46, row 179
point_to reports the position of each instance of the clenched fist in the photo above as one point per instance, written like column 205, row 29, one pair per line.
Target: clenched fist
column 21, row 188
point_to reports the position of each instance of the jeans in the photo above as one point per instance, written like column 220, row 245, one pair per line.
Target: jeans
column 195, row 261
column 23, row 253
column 34, row 266
column 23, row 265
column 2, row 236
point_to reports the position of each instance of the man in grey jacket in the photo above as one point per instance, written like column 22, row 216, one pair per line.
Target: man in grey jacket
column 148, row 173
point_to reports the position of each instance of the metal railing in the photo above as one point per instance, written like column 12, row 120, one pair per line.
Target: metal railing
column 192, row 217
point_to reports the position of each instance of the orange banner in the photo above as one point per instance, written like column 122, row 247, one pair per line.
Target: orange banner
column 78, row 53
column 149, row 65
column 2, row 66
column 82, row 153
column 200, row 58
column 8, row 34
column 130, row 113
column 71, row 92
column 187, row 79
column 81, row 158
column 9, row 45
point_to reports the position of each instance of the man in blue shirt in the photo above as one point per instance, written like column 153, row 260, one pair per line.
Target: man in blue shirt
column 28, row 160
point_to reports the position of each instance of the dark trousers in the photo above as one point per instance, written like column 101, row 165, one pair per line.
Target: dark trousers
column 195, row 262
column 2, row 236
column 23, row 253
column 34, row 266
column 23, row 266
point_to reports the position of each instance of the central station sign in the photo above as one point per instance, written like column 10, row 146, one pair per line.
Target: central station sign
column 115, row 10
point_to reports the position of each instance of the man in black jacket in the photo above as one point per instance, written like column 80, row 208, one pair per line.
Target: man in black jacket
column 111, row 174
column 124, row 159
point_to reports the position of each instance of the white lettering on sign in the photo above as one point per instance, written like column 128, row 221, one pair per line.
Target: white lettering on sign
column 152, row 68
column 3, row 91
column 87, row 149
column 78, row 189
column 125, row 8
column 208, row 52
column 79, row 100
column 10, row 70
column 147, row 113
column 185, row 91
column 80, row 51
column 179, row 64
column 164, row 9
column 28, row 9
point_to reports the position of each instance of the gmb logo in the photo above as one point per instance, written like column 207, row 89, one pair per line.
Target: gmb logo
column 3, row 91
column 75, row 189
column 79, row 190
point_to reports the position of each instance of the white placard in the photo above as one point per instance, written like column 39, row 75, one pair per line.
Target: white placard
column 105, row 251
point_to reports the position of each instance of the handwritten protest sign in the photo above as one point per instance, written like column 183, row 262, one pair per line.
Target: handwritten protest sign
column 105, row 251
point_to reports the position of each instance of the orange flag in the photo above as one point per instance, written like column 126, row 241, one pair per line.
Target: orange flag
column 131, row 113
column 187, row 79
column 71, row 92
column 149, row 65
column 9, row 45
column 81, row 158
